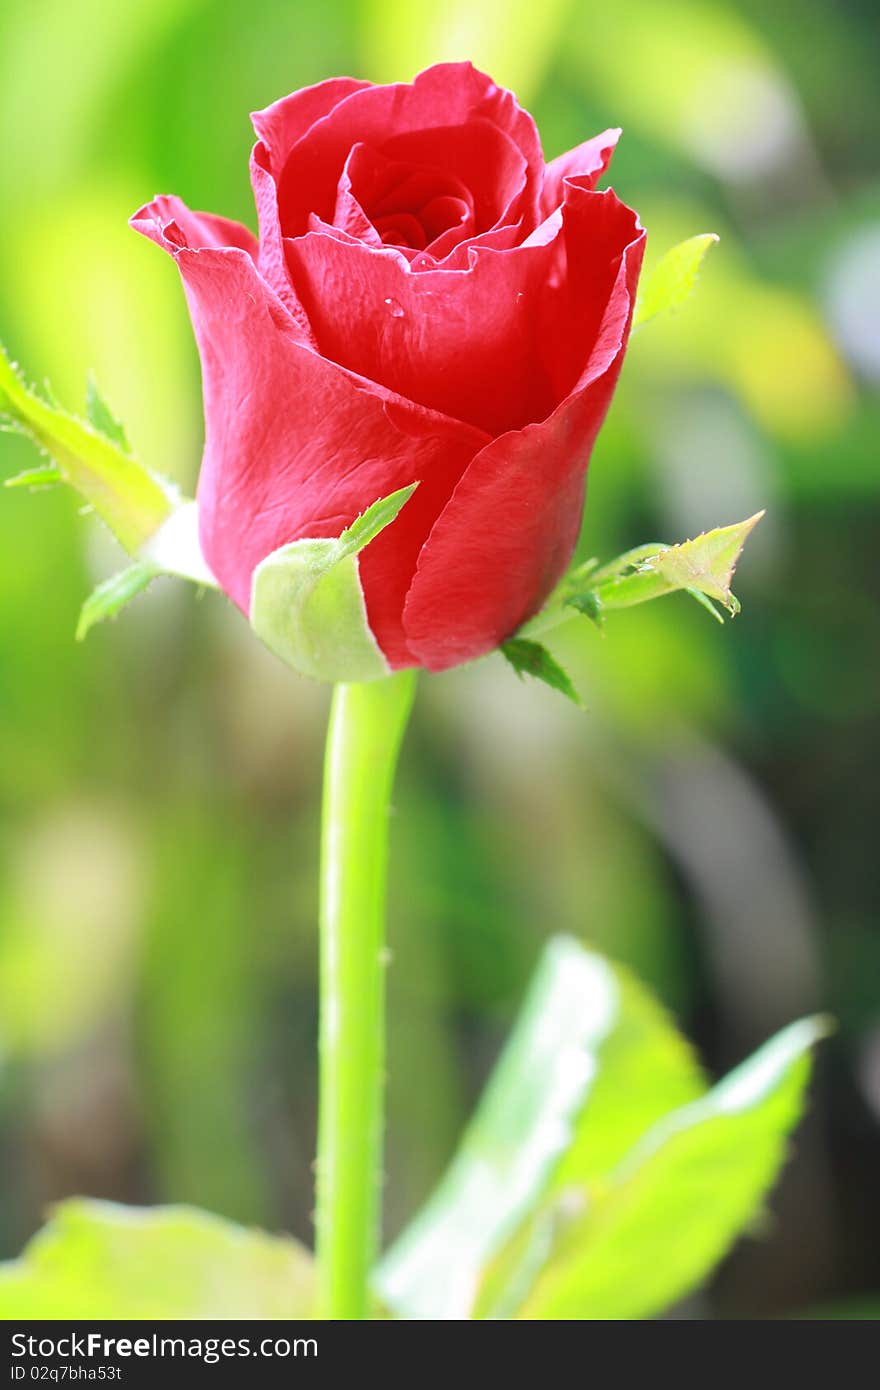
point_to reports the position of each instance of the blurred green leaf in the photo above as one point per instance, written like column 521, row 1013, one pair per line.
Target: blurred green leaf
column 672, row 279
column 101, row 416
column 628, row 1246
column 587, row 1033
column 112, row 596
column 764, row 340
column 127, row 496
column 100, row 1260
column 532, row 659
column 646, row 1068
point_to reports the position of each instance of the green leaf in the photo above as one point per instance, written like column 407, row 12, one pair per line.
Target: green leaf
column 672, row 279
column 307, row 604
column 126, row 495
column 100, row 1260
column 702, row 566
column 630, row 1245
column 599, row 1178
column 36, row 477
column 646, row 1069
column 99, row 414
column 532, row 659
column 592, row 1062
column 112, row 596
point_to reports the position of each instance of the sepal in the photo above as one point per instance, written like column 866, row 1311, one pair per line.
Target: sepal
column 307, row 603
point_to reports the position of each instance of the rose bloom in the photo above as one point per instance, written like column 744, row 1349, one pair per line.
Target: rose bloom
column 427, row 301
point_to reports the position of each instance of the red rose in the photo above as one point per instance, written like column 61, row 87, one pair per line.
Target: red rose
column 427, row 301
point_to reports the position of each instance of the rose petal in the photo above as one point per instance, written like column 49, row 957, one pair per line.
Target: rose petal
column 504, row 540
column 375, row 193
column 168, row 218
column 455, row 255
column 350, row 218
column 383, row 184
column 479, row 155
column 404, row 253
column 271, row 260
column 401, row 229
column 595, row 230
column 447, row 95
column 498, row 345
column 296, row 446
column 280, row 125
column 461, row 342
column 589, row 160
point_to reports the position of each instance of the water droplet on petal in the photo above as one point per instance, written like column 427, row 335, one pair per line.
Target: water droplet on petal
column 394, row 308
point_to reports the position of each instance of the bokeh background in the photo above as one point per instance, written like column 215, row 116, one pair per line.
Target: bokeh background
column 711, row 819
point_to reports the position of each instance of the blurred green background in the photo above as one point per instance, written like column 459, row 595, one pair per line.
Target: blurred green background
column 709, row 820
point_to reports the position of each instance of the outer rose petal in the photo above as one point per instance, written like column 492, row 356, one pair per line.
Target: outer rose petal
column 167, row 218
column 271, row 259
column 595, row 230
column 589, row 161
column 295, row 445
column 280, row 125
column 504, row 540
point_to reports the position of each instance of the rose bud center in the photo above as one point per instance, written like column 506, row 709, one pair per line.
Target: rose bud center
column 402, row 203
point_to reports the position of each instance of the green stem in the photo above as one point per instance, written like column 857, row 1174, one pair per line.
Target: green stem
column 366, row 728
